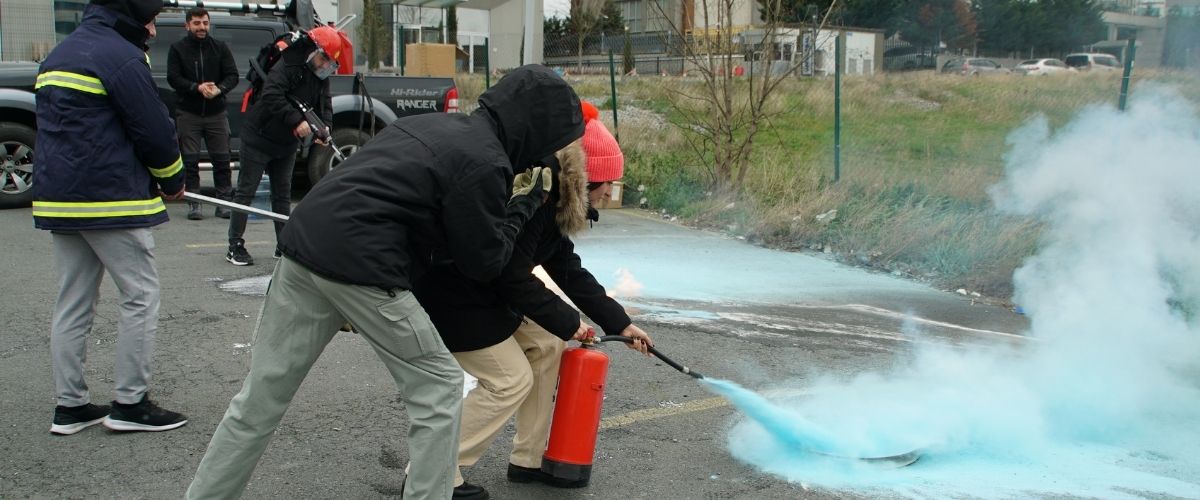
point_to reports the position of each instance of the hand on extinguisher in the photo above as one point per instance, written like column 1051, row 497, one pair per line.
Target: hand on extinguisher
column 584, row 332
column 641, row 340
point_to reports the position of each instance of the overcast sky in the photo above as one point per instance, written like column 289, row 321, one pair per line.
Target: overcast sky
column 556, row 8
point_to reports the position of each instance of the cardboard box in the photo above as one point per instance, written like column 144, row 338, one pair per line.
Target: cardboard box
column 429, row 59
column 614, row 198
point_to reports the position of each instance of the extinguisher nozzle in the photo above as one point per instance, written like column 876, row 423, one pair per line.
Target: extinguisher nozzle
column 683, row 369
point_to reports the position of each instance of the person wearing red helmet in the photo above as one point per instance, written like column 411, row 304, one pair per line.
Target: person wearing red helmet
column 273, row 128
column 323, row 61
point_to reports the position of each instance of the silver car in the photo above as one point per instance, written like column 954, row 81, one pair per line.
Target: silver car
column 1042, row 67
column 973, row 66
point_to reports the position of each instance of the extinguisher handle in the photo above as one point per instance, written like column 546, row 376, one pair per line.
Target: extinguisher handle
column 683, row 369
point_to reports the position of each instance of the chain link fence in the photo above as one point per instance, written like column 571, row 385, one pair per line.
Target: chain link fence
column 27, row 29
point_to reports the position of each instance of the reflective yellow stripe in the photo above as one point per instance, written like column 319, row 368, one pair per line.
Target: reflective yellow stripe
column 97, row 209
column 74, row 81
column 169, row 170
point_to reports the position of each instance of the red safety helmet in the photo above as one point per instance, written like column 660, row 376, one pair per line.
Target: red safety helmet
column 324, row 61
column 328, row 39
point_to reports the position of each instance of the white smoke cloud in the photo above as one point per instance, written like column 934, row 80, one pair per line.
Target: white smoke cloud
column 627, row 286
column 1106, row 398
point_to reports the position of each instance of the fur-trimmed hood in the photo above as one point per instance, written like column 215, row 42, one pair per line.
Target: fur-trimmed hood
column 572, row 206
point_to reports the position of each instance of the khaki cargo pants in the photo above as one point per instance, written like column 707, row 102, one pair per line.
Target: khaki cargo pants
column 301, row 314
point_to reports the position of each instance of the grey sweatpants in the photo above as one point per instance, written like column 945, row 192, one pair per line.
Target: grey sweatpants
column 81, row 259
column 301, row 314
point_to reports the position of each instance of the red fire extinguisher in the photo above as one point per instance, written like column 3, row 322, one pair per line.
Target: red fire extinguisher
column 572, row 444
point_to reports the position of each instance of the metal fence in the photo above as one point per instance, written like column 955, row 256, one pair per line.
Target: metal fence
column 26, row 29
column 558, row 47
column 644, row 65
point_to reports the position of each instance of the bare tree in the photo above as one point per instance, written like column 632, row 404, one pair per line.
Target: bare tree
column 374, row 33
column 722, row 120
column 585, row 17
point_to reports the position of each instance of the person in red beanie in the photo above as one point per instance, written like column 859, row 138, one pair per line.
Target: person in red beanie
column 510, row 333
column 605, row 162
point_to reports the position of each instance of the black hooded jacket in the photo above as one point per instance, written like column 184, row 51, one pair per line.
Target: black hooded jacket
column 433, row 181
column 192, row 61
column 470, row 315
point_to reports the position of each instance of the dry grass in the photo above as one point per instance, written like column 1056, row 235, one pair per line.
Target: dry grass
column 919, row 151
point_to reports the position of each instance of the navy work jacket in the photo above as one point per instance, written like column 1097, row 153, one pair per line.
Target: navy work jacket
column 105, row 143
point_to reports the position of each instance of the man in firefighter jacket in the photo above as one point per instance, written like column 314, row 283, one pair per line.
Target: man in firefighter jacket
column 363, row 235
column 510, row 333
column 274, row 127
column 107, row 156
column 201, row 70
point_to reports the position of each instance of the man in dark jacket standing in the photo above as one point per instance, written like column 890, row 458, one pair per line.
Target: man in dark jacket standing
column 202, row 71
column 106, row 154
column 274, row 127
column 364, row 235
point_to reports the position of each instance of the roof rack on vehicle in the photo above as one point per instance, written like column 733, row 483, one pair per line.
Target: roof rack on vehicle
column 248, row 8
column 293, row 11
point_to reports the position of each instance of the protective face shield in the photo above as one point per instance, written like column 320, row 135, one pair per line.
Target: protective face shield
column 321, row 64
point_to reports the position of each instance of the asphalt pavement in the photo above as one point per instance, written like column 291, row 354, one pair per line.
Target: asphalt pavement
column 663, row 436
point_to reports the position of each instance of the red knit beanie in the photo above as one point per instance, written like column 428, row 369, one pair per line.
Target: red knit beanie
column 605, row 162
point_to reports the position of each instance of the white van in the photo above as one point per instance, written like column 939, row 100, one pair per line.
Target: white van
column 1095, row 61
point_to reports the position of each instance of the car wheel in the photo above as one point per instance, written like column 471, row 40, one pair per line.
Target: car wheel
column 322, row 160
column 16, row 165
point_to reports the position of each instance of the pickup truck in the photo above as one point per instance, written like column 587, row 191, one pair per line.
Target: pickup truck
column 390, row 97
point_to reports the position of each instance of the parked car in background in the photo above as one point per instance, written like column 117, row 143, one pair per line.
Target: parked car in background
column 909, row 57
column 1089, row 62
column 355, row 118
column 973, row 66
column 1042, row 67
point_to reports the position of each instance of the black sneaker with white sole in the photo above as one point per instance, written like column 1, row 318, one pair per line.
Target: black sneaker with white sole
column 71, row 419
column 238, row 255
column 143, row 416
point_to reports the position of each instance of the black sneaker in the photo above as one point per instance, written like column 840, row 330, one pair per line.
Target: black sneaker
column 221, row 213
column 278, row 253
column 238, row 255
column 468, row 491
column 71, row 419
column 194, row 211
column 143, row 416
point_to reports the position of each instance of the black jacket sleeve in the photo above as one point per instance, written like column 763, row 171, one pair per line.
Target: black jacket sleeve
column 326, row 105
column 175, row 77
column 147, row 123
column 566, row 269
column 525, row 292
column 229, row 71
column 281, row 79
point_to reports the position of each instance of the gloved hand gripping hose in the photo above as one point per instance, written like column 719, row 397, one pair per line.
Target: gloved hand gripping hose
column 618, row 338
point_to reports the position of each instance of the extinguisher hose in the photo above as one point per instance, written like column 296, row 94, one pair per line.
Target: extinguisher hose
column 683, row 369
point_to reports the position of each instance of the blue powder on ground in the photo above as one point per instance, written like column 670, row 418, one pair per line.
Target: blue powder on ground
column 799, row 434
